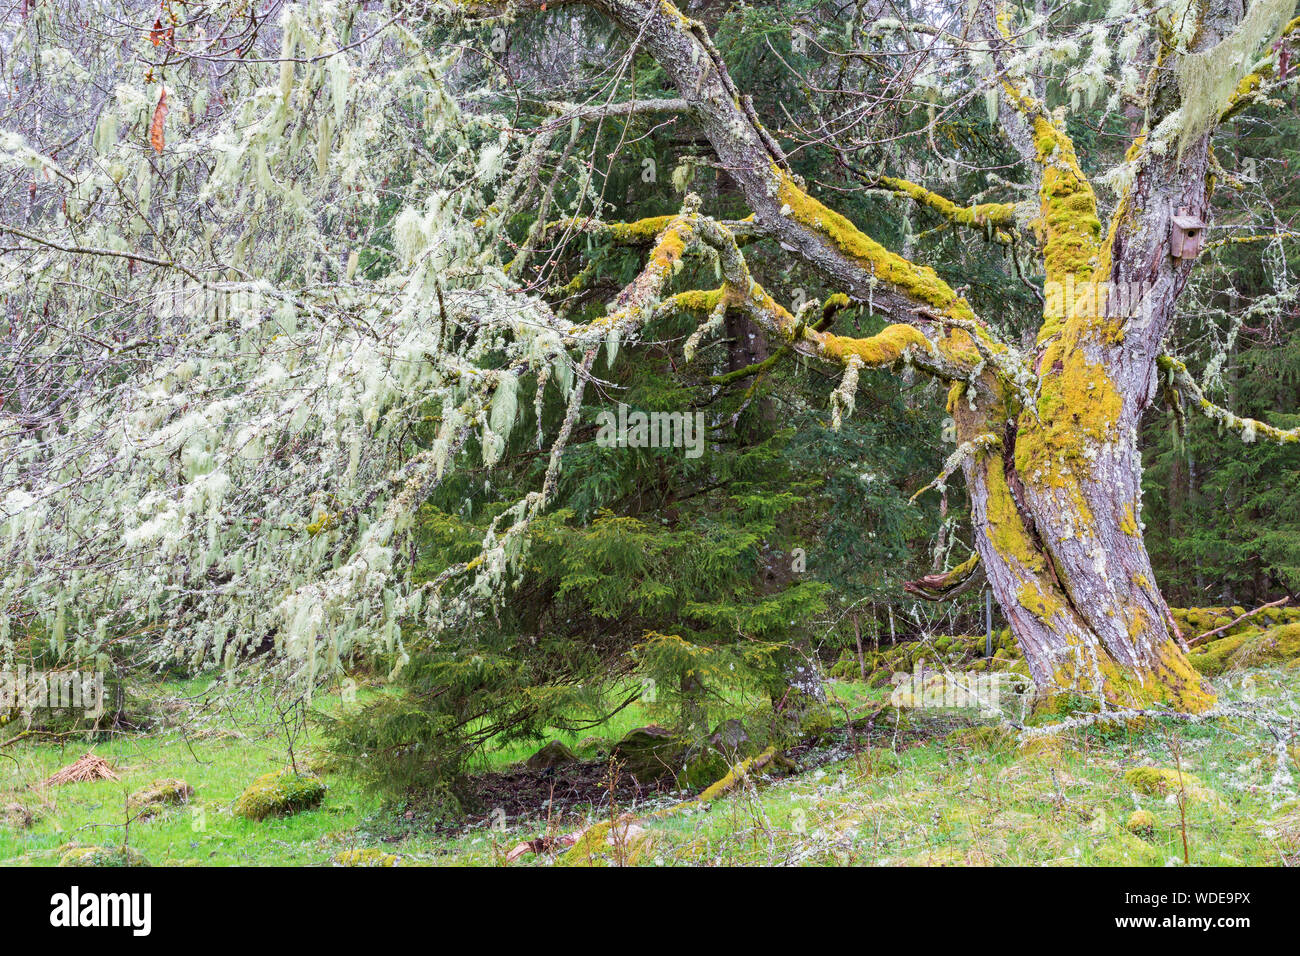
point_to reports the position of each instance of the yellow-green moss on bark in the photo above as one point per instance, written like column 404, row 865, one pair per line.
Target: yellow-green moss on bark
column 919, row 282
column 1000, row 214
column 1078, row 408
column 1042, row 606
column 1171, row 682
column 883, row 348
column 1005, row 525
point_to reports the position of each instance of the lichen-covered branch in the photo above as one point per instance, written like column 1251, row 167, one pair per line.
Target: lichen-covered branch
column 949, row 584
column 782, row 206
column 1259, row 85
column 1067, row 220
column 640, row 232
column 1249, row 429
column 966, row 450
column 898, row 342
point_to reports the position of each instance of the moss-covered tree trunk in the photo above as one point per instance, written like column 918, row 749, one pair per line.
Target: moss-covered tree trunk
column 1059, row 534
column 1057, row 503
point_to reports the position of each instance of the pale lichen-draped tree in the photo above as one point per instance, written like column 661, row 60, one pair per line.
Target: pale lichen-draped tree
column 246, row 471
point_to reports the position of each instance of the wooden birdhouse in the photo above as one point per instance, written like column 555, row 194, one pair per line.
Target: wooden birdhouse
column 1188, row 236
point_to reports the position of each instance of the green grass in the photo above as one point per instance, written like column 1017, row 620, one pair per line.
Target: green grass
column 949, row 804
column 219, row 761
column 942, row 802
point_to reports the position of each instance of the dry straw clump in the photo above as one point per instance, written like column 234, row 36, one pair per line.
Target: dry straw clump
column 88, row 768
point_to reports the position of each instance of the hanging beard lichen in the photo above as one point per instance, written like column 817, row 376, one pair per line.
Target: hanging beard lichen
column 1207, row 79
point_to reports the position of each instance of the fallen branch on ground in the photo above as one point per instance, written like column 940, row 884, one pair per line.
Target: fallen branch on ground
column 1231, row 624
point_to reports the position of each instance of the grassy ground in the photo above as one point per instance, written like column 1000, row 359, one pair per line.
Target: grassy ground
column 952, row 798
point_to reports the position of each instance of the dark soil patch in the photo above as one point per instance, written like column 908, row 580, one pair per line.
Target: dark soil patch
column 541, row 793
column 529, row 794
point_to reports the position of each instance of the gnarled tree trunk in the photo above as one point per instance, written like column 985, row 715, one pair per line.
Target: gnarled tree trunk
column 1059, row 536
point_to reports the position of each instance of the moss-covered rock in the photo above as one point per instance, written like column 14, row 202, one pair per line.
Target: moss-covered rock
column 152, row 799
column 554, row 754
column 1214, row 658
column 716, row 754
column 1122, row 848
column 1162, row 781
column 765, row 762
column 1141, row 823
column 1273, row 646
column 364, row 856
column 878, row 678
column 279, row 793
column 100, row 856
column 704, row 768
column 816, row 722
column 594, row 748
column 648, row 753
column 848, row 667
column 1194, row 621
column 1248, row 647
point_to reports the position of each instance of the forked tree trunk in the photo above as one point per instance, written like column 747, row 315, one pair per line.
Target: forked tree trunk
column 1057, row 509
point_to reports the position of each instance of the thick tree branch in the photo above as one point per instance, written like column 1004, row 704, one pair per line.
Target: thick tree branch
column 949, row 584
column 783, row 208
column 896, row 342
column 641, row 232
